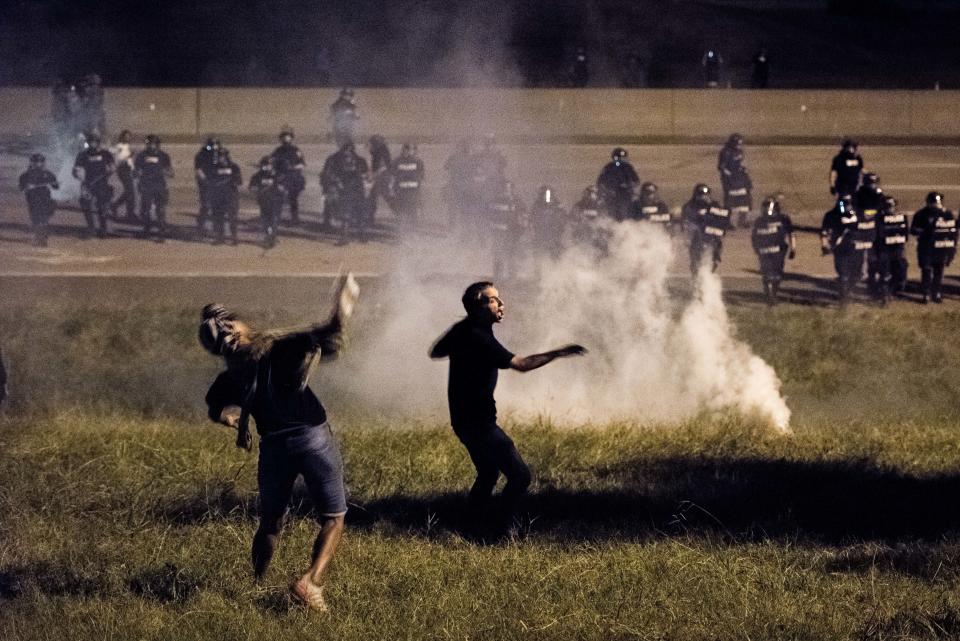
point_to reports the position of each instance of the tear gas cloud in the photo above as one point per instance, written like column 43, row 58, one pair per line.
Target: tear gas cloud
column 653, row 358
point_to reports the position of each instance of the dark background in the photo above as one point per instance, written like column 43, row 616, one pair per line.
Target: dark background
column 436, row 43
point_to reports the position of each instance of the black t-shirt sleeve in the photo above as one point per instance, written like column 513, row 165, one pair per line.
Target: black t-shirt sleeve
column 787, row 225
column 492, row 350
column 441, row 349
column 837, row 164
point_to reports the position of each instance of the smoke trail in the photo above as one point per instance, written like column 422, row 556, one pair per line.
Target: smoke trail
column 652, row 358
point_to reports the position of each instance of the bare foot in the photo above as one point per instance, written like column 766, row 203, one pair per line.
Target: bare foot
column 309, row 594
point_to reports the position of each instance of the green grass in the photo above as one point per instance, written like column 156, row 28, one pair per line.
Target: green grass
column 128, row 518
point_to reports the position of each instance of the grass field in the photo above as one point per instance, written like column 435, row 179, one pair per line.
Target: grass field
column 124, row 514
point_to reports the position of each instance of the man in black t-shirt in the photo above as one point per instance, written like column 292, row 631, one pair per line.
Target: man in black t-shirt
column 475, row 356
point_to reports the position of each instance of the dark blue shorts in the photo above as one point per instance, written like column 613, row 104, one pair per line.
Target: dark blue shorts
column 311, row 452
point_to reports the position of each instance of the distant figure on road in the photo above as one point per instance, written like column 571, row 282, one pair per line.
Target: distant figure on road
column 845, row 169
column 475, row 357
column 36, row 183
column 936, row 230
column 772, row 240
column 760, row 76
column 615, row 184
column 344, row 118
column 712, row 63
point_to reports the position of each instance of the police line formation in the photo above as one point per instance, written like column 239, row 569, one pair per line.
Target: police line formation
column 864, row 227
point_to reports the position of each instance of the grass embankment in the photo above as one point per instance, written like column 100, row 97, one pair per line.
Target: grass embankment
column 135, row 523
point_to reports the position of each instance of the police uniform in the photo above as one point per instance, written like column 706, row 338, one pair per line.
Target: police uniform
column 586, row 228
column 508, row 224
column 270, row 191
column 289, row 163
column 224, row 201
column 735, row 180
column 850, row 235
column 36, row 183
column 342, row 179
column 615, row 185
column 406, row 174
column 936, row 232
column 204, row 166
column 892, row 232
column 770, row 238
column 380, row 168
column 548, row 222
column 344, row 117
column 706, row 223
column 846, row 167
column 153, row 167
column 868, row 200
column 95, row 189
column 651, row 208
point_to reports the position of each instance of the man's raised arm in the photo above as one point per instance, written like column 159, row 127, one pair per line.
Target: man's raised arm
column 527, row 363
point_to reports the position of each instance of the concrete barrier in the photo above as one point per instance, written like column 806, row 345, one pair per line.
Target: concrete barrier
column 531, row 114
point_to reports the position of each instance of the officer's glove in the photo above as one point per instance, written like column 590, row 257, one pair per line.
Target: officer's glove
column 792, row 254
column 833, row 191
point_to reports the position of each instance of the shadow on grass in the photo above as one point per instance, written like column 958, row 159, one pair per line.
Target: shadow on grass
column 735, row 500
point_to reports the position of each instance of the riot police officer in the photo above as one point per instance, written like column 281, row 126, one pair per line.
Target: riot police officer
column 548, row 221
column 344, row 118
column 224, row 200
column 868, row 201
column 268, row 187
column 36, row 183
column 380, row 178
column 508, row 225
column 615, row 184
column 406, row 175
column 706, row 223
column 772, row 240
column 891, row 261
column 152, row 168
column 93, row 167
column 845, row 169
column 205, row 166
column 586, row 228
column 936, row 230
column 848, row 235
column 343, row 180
column 735, row 179
column 650, row 207
column 288, row 162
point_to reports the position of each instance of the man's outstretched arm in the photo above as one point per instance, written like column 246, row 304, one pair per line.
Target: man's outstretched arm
column 527, row 363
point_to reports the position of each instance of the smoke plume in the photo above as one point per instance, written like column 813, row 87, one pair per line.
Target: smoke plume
column 653, row 357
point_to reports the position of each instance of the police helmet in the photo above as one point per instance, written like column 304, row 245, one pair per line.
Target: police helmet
column 735, row 140
column 849, row 143
column 701, row 191
column 376, row 140
column 37, row 159
column 845, row 202
column 648, row 188
column 153, row 139
column 266, row 161
column 285, row 131
column 93, row 139
column 346, row 92
column 212, row 143
column 407, row 148
column 889, row 203
column 870, row 179
column 348, row 146
column 124, row 135
column 224, row 154
column 590, row 192
column 935, row 199
column 618, row 154
column 546, row 195
column 770, row 206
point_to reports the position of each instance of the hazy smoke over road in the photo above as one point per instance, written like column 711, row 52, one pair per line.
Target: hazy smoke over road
column 652, row 358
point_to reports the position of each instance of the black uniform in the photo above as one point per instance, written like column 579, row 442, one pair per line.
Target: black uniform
column 615, row 186
column 508, row 224
column 736, row 183
column 850, row 235
column 936, row 232
column 153, row 167
column 406, row 175
column 342, row 179
column 848, row 166
column 651, row 210
column 890, row 251
column 868, row 200
column 586, row 228
column 289, row 163
column 224, row 200
column 706, row 223
column 95, row 189
column 771, row 242
column 270, row 190
column 36, row 183
column 205, row 165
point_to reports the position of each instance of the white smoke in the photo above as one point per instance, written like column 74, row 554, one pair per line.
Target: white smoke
column 652, row 358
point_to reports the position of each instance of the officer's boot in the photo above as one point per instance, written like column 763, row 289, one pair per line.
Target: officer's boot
column 294, row 210
column 937, row 281
column 161, row 223
column 775, row 290
column 766, row 291
column 102, row 216
column 925, row 274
